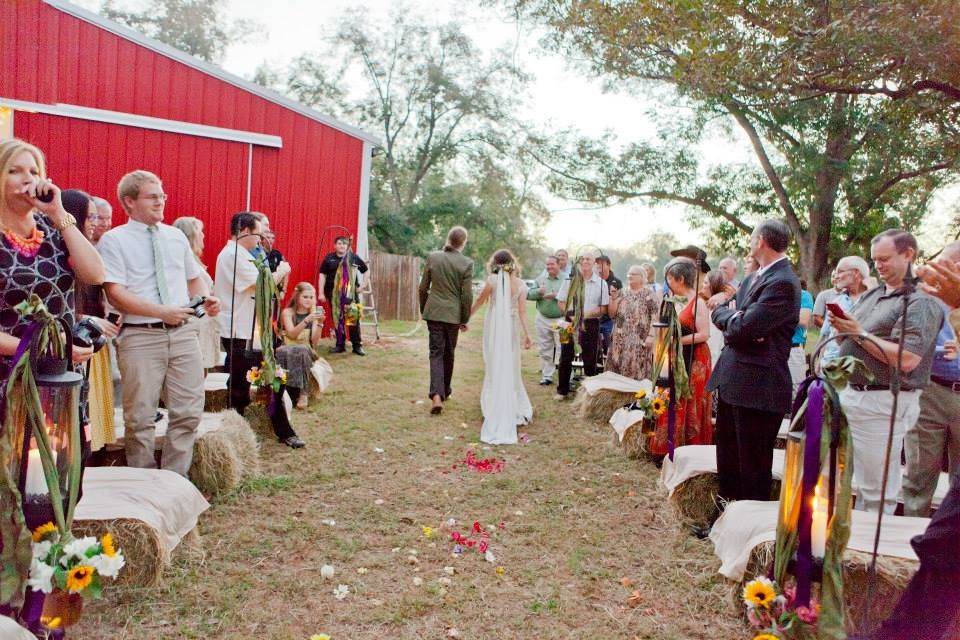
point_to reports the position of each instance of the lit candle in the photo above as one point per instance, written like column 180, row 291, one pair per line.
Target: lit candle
column 818, row 526
column 36, row 482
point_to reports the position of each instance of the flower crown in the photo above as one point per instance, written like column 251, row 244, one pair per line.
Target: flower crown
column 510, row 267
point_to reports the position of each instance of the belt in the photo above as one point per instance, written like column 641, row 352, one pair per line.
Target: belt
column 953, row 385
column 876, row 387
column 151, row 325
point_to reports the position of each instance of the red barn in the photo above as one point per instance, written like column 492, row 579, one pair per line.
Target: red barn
column 101, row 100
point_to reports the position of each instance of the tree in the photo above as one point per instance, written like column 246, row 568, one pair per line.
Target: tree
column 446, row 119
column 197, row 27
column 851, row 130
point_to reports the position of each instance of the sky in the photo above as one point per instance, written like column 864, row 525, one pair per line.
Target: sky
column 560, row 97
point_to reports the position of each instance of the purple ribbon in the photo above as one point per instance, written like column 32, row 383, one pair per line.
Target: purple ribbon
column 813, row 432
column 671, row 418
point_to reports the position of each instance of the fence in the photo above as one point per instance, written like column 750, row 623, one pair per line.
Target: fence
column 394, row 280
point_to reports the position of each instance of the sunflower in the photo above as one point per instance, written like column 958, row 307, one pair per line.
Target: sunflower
column 106, row 542
column 766, row 636
column 658, row 406
column 640, row 395
column 253, row 375
column 43, row 531
column 759, row 593
column 51, row 622
column 79, row 578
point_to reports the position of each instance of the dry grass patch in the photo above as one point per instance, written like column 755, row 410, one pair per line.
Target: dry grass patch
column 584, row 528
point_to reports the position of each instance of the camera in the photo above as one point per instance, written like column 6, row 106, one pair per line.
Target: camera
column 196, row 303
column 86, row 333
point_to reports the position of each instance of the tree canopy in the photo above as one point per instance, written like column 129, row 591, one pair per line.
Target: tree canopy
column 850, row 109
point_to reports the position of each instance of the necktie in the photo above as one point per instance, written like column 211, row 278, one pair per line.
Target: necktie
column 158, row 265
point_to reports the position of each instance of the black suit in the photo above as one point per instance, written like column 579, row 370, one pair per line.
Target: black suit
column 752, row 379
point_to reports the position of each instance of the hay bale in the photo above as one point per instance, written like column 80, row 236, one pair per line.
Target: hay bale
column 258, row 419
column 244, row 441
column 694, row 501
column 146, row 554
column 601, row 405
column 216, row 400
column 860, row 616
column 216, row 468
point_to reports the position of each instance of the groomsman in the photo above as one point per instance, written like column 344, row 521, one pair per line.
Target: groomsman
column 596, row 297
column 751, row 378
column 548, row 313
column 446, row 295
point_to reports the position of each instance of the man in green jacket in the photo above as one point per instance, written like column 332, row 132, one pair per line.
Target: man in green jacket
column 445, row 300
column 548, row 312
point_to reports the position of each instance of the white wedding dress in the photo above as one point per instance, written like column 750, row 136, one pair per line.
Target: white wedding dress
column 503, row 400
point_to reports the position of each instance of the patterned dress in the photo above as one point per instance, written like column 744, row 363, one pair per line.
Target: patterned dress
column 693, row 424
column 628, row 355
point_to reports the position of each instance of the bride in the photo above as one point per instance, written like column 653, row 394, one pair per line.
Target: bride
column 503, row 400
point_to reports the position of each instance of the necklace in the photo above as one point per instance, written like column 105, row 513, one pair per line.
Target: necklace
column 25, row 246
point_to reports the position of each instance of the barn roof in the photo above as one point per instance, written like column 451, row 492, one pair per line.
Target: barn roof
column 210, row 69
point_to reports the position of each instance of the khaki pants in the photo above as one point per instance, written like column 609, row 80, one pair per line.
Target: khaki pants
column 868, row 414
column 154, row 361
column 798, row 367
column 937, row 429
column 548, row 343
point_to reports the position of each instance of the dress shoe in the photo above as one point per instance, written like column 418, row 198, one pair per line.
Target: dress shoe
column 436, row 410
column 338, row 349
column 701, row 532
column 359, row 351
column 294, row 442
column 546, row 382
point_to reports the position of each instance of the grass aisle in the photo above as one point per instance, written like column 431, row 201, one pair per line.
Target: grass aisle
column 580, row 520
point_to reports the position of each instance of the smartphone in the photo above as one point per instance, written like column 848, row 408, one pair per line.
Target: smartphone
column 837, row 310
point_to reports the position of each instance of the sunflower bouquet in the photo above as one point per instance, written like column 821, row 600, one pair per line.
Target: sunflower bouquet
column 773, row 613
column 258, row 377
column 565, row 332
column 353, row 314
column 73, row 565
column 653, row 406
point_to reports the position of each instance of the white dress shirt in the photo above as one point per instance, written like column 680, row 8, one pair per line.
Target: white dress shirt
column 127, row 253
column 240, row 289
column 763, row 270
column 596, row 293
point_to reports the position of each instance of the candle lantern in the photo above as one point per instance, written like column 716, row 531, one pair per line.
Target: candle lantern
column 815, row 499
column 662, row 335
column 58, row 392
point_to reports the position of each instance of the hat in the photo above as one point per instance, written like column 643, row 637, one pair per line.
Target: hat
column 695, row 253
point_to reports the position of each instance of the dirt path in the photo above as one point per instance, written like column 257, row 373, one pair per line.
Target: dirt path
column 578, row 521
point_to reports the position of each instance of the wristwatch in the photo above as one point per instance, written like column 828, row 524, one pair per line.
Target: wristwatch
column 68, row 220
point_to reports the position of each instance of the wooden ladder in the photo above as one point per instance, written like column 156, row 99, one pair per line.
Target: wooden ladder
column 369, row 307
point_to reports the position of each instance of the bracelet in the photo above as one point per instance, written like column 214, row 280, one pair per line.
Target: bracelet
column 68, row 220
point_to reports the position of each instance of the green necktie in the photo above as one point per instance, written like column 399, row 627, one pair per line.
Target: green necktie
column 158, row 265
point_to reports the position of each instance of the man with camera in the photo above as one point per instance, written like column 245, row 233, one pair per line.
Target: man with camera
column 151, row 277
column 235, row 282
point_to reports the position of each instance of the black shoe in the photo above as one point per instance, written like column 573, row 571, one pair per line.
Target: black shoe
column 294, row 442
column 358, row 350
column 701, row 532
column 546, row 382
column 338, row 349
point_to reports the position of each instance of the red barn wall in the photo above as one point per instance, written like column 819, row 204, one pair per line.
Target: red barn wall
column 53, row 57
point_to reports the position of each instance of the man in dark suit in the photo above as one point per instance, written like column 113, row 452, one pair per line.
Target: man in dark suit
column 446, row 296
column 752, row 378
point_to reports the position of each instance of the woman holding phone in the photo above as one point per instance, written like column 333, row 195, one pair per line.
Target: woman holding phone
column 302, row 323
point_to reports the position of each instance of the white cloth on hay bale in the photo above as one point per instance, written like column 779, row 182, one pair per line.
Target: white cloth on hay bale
column 215, row 381
column 745, row 524
column 610, row 381
column 10, row 630
column 622, row 419
column 322, row 373
column 209, row 421
column 697, row 459
column 164, row 500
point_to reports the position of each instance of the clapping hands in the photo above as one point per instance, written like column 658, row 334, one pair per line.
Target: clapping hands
column 941, row 278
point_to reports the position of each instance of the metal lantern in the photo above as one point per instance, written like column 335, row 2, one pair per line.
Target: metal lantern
column 662, row 327
column 58, row 391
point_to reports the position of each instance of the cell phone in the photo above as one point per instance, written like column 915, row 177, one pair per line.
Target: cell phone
column 837, row 310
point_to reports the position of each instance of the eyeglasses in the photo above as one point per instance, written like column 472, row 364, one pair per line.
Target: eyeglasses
column 156, row 197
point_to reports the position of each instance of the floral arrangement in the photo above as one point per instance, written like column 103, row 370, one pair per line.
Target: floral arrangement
column 774, row 613
column 353, row 314
column 566, row 333
column 478, row 539
column 73, row 565
column 483, row 465
column 652, row 406
column 257, row 377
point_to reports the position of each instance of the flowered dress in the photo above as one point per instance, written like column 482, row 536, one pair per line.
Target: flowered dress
column 628, row 354
column 693, row 425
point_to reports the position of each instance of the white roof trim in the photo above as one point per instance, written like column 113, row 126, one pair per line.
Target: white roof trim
column 206, row 67
column 145, row 122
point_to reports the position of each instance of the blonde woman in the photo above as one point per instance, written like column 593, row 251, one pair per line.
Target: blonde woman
column 503, row 399
column 633, row 311
column 302, row 323
column 207, row 327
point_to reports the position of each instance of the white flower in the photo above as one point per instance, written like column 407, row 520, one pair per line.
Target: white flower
column 377, row 450
column 41, row 577
column 77, row 549
column 106, row 566
column 489, row 557
column 40, row 549
column 327, row 571
column 451, row 522
column 341, row 592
